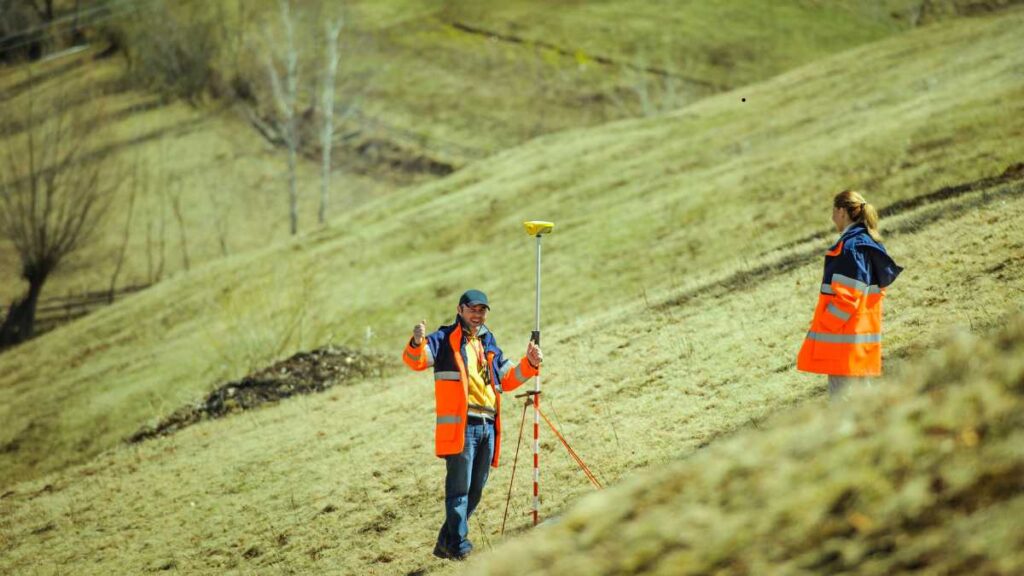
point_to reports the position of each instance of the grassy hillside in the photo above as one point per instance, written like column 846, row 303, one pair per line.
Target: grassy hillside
column 677, row 287
column 921, row 474
column 347, row 482
column 428, row 82
column 487, row 76
column 227, row 181
column 643, row 208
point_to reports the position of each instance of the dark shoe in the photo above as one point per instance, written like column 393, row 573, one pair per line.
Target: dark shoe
column 444, row 554
column 441, row 553
column 460, row 557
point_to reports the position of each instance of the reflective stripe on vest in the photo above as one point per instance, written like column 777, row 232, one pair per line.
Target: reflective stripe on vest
column 447, row 376
column 449, row 419
column 519, row 374
column 835, row 311
column 844, row 338
column 849, row 282
column 872, row 289
column 504, row 369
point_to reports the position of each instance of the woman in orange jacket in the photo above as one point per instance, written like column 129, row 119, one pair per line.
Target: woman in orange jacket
column 845, row 338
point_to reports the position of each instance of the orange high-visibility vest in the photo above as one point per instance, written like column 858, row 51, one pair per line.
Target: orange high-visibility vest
column 445, row 351
column 845, row 337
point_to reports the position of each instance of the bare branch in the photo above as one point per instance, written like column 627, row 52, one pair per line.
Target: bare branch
column 285, row 101
column 180, row 217
column 333, row 29
column 126, row 234
column 51, row 200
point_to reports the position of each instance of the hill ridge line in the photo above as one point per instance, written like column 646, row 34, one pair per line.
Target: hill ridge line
column 605, row 60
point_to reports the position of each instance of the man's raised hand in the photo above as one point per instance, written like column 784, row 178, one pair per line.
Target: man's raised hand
column 533, row 355
column 419, row 332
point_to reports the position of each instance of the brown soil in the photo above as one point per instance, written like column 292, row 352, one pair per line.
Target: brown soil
column 303, row 373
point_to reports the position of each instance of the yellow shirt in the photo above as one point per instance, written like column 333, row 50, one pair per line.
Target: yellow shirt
column 480, row 393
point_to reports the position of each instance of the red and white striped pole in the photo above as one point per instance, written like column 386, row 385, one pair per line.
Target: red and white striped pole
column 537, row 229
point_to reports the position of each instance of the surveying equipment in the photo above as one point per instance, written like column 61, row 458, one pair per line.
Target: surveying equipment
column 537, row 228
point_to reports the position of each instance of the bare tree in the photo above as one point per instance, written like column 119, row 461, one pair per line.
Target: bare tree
column 21, row 31
column 44, row 9
column 285, row 101
column 52, row 198
column 168, row 49
column 220, row 213
column 333, row 29
column 77, row 37
column 126, row 234
column 182, row 230
column 155, row 264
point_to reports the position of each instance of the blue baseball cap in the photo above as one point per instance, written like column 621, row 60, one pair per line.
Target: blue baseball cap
column 472, row 298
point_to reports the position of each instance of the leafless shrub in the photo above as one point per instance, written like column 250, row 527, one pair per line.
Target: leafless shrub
column 21, row 32
column 167, row 52
column 52, row 198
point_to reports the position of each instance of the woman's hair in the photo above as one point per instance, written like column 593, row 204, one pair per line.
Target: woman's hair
column 859, row 211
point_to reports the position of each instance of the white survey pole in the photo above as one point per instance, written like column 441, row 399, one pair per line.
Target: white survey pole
column 536, row 314
column 537, row 229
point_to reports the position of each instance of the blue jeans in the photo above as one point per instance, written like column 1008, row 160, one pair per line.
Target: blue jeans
column 463, row 486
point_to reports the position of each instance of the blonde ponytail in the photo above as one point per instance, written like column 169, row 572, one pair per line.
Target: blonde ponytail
column 859, row 211
column 870, row 216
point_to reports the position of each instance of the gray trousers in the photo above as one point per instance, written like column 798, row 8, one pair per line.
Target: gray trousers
column 839, row 386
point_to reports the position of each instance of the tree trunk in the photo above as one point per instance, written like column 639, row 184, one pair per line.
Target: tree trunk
column 293, row 195
column 327, row 134
column 77, row 37
column 21, row 318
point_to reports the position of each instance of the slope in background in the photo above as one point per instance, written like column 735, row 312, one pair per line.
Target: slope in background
column 421, row 85
column 262, row 488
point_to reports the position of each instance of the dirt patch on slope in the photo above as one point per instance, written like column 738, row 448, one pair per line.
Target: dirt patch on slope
column 303, row 373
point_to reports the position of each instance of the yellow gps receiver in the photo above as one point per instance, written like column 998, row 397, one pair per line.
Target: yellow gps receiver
column 538, row 227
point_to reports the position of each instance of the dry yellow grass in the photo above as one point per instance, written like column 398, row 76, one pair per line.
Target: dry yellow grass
column 347, row 482
column 441, row 91
column 923, row 473
column 230, row 183
column 643, row 208
column 648, row 212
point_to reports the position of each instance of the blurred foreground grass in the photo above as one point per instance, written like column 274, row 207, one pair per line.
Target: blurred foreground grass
column 923, row 473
